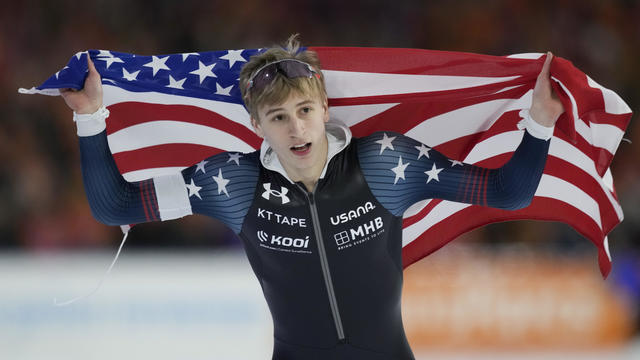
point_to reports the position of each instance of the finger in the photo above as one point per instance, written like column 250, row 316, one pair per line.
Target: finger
column 92, row 67
column 547, row 65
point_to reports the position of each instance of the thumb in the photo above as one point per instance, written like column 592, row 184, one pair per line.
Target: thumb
column 546, row 66
column 91, row 66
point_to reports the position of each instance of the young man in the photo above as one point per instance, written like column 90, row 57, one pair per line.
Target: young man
column 319, row 212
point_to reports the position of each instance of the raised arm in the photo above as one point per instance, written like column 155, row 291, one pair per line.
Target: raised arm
column 221, row 186
column 113, row 200
column 401, row 171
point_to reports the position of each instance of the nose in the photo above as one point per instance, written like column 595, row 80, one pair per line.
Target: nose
column 296, row 127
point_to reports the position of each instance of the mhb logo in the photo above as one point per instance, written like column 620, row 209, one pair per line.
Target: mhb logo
column 361, row 231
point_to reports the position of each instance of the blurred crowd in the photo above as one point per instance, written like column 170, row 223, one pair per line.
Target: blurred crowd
column 43, row 206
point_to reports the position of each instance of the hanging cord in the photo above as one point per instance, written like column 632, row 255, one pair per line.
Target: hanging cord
column 68, row 302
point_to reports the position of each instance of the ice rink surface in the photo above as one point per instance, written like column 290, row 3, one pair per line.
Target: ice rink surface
column 160, row 306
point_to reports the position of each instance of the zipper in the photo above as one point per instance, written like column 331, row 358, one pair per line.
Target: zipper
column 315, row 220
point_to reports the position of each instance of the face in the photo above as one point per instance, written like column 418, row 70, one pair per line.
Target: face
column 295, row 131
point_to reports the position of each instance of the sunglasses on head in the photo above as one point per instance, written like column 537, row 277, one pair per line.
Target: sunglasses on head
column 291, row 68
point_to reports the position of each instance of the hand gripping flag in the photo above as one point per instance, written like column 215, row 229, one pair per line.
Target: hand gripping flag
column 171, row 111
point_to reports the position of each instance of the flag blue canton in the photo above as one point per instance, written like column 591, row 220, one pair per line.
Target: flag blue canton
column 210, row 75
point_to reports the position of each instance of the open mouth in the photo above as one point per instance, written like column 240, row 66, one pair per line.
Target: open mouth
column 301, row 149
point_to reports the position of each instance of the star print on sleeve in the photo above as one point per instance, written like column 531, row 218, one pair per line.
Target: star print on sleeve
column 200, row 166
column 433, row 173
column 194, row 189
column 438, row 176
column 399, row 170
column 235, row 157
column 386, row 142
column 226, row 190
column 423, row 150
column 221, row 182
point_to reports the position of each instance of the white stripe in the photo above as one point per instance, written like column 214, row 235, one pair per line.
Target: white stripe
column 550, row 186
column 465, row 121
column 139, row 175
column 574, row 105
column 600, row 135
column 579, row 124
column 613, row 104
column 509, row 141
column 564, row 150
column 233, row 112
column 507, row 88
column 608, row 179
column 559, row 189
column 439, row 212
column 171, row 132
column 532, row 56
column 416, row 208
column 498, row 144
column 611, row 135
column 355, row 84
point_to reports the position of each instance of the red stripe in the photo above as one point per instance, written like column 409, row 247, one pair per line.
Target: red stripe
column 408, row 221
column 131, row 113
column 142, row 198
column 417, row 61
column 166, row 155
column 153, row 201
column 468, row 181
column 555, row 167
column 474, row 186
column 460, row 94
column 481, row 179
column 147, row 198
column 484, row 191
column 430, row 104
column 564, row 170
column 475, row 216
column 599, row 116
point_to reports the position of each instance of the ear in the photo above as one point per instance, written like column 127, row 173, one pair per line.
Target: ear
column 257, row 127
column 325, row 108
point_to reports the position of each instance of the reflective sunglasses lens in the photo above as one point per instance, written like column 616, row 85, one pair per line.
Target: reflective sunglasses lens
column 265, row 76
column 294, row 69
column 289, row 68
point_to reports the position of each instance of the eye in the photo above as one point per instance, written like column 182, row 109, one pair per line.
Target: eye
column 306, row 109
column 278, row 117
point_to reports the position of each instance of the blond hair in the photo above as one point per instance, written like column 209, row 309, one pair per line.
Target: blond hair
column 279, row 89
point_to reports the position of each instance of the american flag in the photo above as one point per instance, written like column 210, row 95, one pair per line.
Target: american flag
column 171, row 111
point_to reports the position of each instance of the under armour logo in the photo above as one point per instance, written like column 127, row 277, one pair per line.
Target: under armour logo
column 281, row 194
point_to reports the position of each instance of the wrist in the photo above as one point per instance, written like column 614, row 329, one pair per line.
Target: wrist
column 92, row 123
column 534, row 128
column 88, row 110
